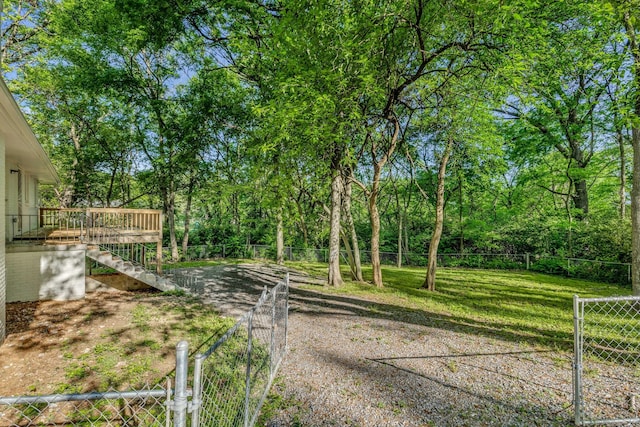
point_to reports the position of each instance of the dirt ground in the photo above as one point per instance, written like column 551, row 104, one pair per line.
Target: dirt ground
column 110, row 340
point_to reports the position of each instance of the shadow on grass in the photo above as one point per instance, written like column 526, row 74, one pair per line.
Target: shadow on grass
column 518, row 306
column 323, row 304
column 514, row 306
column 109, row 340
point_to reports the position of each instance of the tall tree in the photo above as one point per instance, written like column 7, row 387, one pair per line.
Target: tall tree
column 627, row 12
column 426, row 43
column 562, row 100
column 124, row 55
column 314, row 88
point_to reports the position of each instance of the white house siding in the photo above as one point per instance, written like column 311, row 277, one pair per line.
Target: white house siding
column 45, row 272
column 3, row 280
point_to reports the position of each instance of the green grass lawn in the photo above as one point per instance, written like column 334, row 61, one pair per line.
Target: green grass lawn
column 519, row 306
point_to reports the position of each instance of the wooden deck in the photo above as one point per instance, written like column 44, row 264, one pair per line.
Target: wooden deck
column 70, row 226
column 95, row 225
column 112, row 229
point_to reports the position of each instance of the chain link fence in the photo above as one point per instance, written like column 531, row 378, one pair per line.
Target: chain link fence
column 229, row 382
column 606, row 369
column 144, row 407
column 234, row 375
column 604, row 271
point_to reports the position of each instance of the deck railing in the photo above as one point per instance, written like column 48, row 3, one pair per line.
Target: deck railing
column 147, row 220
column 100, row 224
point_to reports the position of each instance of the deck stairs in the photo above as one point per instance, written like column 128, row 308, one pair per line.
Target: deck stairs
column 129, row 268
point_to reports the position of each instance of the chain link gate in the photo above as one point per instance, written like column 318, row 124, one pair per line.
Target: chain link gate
column 606, row 368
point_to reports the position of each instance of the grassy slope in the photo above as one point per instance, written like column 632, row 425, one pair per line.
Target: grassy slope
column 513, row 305
column 129, row 357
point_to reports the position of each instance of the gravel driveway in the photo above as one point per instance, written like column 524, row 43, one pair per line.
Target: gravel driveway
column 355, row 362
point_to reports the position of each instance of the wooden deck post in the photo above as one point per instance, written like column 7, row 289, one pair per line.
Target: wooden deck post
column 159, row 246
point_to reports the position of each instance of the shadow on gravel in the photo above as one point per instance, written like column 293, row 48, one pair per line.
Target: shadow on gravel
column 234, row 288
column 492, row 371
column 323, row 304
column 436, row 398
column 441, row 397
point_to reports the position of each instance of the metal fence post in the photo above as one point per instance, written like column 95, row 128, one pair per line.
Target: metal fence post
column 247, row 398
column 196, row 399
column 577, row 361
column 528, row 260
column 273, row 333
column 286, row 311
column 180, row 395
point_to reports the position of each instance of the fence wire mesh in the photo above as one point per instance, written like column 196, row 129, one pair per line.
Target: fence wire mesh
column 234, row 375
column 144, row 407
column 607, row 360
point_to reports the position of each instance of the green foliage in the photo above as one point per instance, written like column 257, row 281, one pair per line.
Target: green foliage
column 224, row 114
column 550, row 266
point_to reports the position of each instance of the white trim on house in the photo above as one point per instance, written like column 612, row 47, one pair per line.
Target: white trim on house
column 3, row 279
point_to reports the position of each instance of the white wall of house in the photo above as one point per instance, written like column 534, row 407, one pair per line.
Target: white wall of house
column 3, row 281
column 54, row 272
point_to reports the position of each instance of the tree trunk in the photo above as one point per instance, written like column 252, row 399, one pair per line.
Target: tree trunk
column 399, row 220
column 187, row 217
column 279, row 237
column 406, row 238
column 170, row 210
column 68, row 195
column 349, row 251
column 635, row 206
column 581, row 198
column 570, row 230
column 635, row 143
column 399, row 260
column 374, row 216
column 460, row 213
column 334, row 275
column 430, row 280
column 622, row 192
column 356, row 265
column 303, row 224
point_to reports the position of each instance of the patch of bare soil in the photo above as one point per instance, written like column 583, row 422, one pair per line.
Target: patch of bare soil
column 109, row 340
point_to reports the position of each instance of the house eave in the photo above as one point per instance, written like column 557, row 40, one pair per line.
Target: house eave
column 21, row 145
